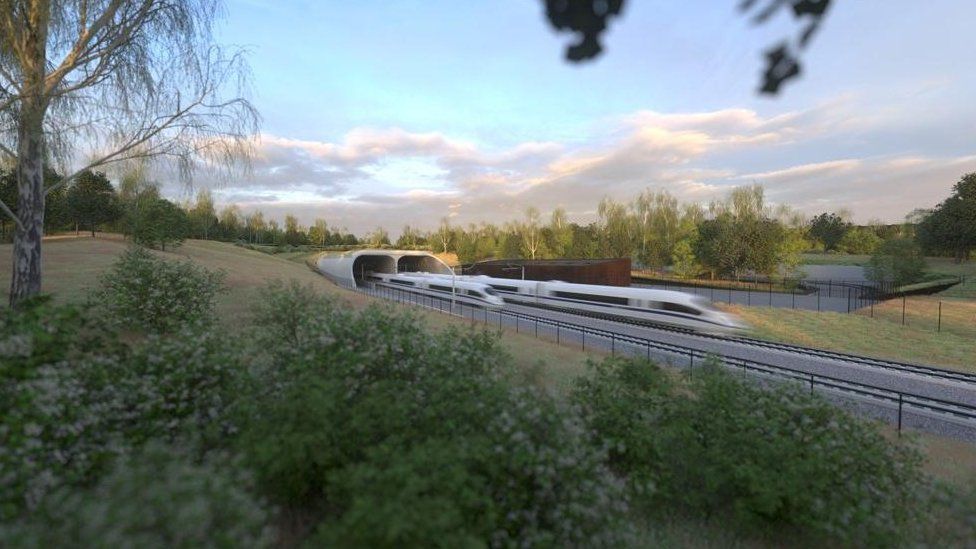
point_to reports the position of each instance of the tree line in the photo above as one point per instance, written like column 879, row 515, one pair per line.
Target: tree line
column 739, row 234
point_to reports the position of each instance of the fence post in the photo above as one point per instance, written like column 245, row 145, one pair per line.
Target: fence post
column 584, row 340
column 770, row 293
column 818, row 299
column 940, row 317
column 793, row 296
column 903, row 309
column 749, row 296
column 613, row 344
column 811, row 384
column 557, row 334
column 848, row 301
column 537, row 328
column 900, row 402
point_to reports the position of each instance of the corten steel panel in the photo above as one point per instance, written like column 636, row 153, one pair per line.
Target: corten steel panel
column 608, row 272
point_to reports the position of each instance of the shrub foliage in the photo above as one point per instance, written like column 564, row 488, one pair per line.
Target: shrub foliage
column 772, row 460
column 143, row 291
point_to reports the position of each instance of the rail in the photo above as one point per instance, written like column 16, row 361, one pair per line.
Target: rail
column 902, row 399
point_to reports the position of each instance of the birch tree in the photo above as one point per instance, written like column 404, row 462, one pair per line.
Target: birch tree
column 111, row 81
column 531, row 232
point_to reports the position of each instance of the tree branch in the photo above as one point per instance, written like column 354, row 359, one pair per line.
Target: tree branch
column 11, row 214
column 120, row 153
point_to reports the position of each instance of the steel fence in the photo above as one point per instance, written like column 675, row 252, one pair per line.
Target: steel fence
column 883, row 403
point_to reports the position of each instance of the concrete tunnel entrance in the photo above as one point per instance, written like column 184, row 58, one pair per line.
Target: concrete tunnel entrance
column 375, row 263
column 348, row 269
column 419, row 263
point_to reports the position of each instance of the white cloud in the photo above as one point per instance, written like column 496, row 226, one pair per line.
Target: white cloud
column 811, row 159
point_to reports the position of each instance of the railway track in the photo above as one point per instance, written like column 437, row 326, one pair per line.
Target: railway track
column 939, row 410
column 893, row 365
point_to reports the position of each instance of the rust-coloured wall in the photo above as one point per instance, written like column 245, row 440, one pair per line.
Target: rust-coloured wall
column 608, row 272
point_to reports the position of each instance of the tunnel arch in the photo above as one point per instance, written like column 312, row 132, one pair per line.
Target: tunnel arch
column 347, row 268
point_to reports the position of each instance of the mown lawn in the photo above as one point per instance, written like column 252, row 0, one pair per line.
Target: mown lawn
column 860, row 334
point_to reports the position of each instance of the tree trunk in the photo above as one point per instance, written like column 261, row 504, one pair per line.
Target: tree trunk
column 26, row 279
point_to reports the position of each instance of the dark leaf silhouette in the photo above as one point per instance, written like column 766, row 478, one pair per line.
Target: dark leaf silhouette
column 588, row 19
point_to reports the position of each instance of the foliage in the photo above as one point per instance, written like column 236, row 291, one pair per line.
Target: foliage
column 92, row 200
column 157, row 222
column 860, row 240
column 684, row 261
column 624, row 402
column 159, row 498
column 771, row 459
column 829, row 229
column 898, row 261
column 729, row 246
column 952, row 522
column 353, row 397
column 951, row 226
column 80, row 404
column 145, row 292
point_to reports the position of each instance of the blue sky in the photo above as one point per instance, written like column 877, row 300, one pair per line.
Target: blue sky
column 403, row 112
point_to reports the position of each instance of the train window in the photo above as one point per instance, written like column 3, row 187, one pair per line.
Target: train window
column 595, row 298
column 475, row 293
column 505, row 288
column 441, row 288
column 679, row 308
column 490, row 291
column 403, row 282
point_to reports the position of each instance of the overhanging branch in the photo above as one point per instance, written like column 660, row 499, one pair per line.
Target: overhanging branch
column 7, row 211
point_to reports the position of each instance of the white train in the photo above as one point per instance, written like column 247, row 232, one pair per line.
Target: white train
column 462, row 289
column 643, row 304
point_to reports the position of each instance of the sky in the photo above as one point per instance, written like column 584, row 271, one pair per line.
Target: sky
column 396, row 112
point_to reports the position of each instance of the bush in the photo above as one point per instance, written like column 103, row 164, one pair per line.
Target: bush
column 184, row 384
column 898, row 261
column 772, row 460
column 860, row 241
column 158, row 498
column 72, row 413
column 624, row 401
column 38, row 332
column 378, row 423
column 952, row 522
column 145, row 292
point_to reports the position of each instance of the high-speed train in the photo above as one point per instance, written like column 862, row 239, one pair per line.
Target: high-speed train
column 643, row 304
column 462, row 289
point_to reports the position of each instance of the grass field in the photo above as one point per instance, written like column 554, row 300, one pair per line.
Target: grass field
column 859, row 334
column 72, row 266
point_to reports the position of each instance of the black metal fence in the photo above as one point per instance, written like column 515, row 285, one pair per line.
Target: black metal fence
column 896, row 407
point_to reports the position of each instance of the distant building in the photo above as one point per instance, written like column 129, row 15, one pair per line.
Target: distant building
column 609, row 272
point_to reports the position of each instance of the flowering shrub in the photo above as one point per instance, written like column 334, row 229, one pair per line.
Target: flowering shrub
column 156, row 498
column 74, row 410
column 772, row 459
column 145, row 292
column 414, row 438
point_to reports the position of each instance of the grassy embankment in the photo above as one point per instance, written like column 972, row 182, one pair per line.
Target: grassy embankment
column 879, row 331
column 73, row 266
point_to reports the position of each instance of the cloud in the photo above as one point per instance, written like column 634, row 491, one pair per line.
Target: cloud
column 817, row 159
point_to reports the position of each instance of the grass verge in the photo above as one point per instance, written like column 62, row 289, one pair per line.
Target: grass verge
column 879, row 337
